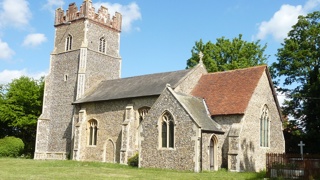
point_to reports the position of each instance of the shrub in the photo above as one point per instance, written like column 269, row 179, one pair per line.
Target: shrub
column 11, row 147
column 134, row 160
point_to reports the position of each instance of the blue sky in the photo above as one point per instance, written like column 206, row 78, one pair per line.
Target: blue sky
column 157, row 36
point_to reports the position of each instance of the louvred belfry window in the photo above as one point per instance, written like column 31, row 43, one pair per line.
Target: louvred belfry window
column 102, row 45
column 69, row 43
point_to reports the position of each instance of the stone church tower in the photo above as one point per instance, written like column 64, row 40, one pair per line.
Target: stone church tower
column 86, row 51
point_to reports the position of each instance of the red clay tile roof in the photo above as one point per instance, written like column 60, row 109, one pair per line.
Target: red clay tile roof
column 228, row 92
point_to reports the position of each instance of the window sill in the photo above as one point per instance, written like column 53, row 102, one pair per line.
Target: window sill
column 167, row 149
column 92, row 146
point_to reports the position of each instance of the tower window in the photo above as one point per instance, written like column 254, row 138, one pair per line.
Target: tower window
column 69, row 43
column 66, row 77
column 102, row 45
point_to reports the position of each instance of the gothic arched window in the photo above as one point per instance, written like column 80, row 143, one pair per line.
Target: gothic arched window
column 93, row 130
column 167, row 130
column 264, row 127
column 102, row 45
column 68, row 42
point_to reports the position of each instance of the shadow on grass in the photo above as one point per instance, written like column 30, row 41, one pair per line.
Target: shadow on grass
column 259, row 175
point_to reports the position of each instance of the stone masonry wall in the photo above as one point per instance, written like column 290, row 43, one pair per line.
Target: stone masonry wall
column 101, row 67
column 42, row 136
column 96, row 31
column 206, row 137
column 186, row 85
column 63, row 94
column 253, row 157
column 75, row 29
column 55, row 128
column 110, row 116
column 87, row 10
column 182, row 156
column 223, row 142
column 62, row 85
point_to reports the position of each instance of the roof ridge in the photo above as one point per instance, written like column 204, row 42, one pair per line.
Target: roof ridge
column 234, row 70
column 147, row 75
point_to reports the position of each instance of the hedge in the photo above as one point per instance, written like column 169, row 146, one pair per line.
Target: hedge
column 134, row 160
column 11, row 147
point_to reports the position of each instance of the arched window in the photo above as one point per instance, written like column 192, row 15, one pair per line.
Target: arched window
column 102, row 45
column 167, row 131
column 92, row 136
column 68, row 42
column 264, row 127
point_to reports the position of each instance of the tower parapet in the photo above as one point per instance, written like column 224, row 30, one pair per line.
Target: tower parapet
column 87, row 11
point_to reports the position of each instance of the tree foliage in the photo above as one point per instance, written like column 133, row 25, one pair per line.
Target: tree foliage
column 20, row 107
column 297, row 70
column 228, row 54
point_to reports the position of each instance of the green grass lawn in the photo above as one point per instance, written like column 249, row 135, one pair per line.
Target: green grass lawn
column 11, row 168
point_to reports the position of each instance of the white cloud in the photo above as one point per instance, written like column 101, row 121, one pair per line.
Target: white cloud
column 6, row 76
column 282, row 21
column 310, row 5
column 34, row 39
column 15, row 13
column 5, row 51
column 51, row 5
column 281, row 98
column 130, row 13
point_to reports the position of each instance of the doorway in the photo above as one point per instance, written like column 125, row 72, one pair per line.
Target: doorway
column 109, row 151
column 213, row 153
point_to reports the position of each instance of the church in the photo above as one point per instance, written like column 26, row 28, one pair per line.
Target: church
column 183, row 120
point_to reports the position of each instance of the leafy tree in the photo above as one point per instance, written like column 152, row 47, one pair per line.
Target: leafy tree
column 3, row 125
column 228, row 54
column 297, row 69
column 292, row 134
column 20, row 107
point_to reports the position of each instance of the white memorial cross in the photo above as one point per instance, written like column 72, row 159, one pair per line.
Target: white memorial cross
column 301, row 148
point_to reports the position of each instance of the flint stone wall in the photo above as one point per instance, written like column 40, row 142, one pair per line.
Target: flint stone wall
column 110, row 116
column 206, row 138
column 223, row 140
column 186, row 85
column 252, row 156
column 57, row 111
column 55, row 124
column 182, row 156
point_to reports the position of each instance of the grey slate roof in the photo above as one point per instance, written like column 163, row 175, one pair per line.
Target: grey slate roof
column 138, row 86
column 198, row 111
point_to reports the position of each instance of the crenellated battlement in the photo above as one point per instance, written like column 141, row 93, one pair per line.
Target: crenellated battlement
column 88, row 11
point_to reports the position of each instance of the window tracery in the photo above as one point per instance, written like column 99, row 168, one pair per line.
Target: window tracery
column 92, row 132
column 264, row 127
column 167, row 130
